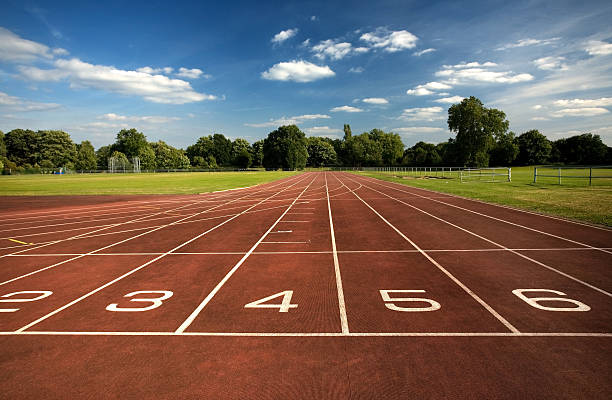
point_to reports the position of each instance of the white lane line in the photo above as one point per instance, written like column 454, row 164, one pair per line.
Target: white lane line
column 341, row 303
column 315, row 334
column 441, row 268
column 293, row 221
column 212, row 294
column 284, row 242
column 282, row 232
column 31, row 324
column 602, row 291
column 499, row 219
column 300, row 213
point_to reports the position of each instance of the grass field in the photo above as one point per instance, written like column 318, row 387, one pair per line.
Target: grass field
column 573, row 199
column 146, row 183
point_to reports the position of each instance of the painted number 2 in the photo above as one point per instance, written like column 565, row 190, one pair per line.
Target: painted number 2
column 155, row 301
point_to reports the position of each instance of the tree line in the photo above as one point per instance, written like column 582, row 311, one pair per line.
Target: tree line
column 481, row 139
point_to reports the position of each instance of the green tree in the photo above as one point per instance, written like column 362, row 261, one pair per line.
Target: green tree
column 505, row 150
column 285, row 148
column 147, row 158
column 475, row 126
column 422, row 154
column 121, row 161
column 130, row 142
column 222, row 149
column 368, row 150
column 320, row 152
column 347, row 132
column 202, row 149
column 391, row 144
column 534, row 148
column 85, row 157
column 240, row 150
column 57, row 147
column 102, row 156
column 22, row 146
column 2, row 146
column 580, row 149
column 257, row 153
column 167, row 156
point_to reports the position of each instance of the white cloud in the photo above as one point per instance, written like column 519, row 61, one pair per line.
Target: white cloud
column 540, row 119
column 580, row 112
column 154, row 88
column 17, row 104
column 420, row 53
column 306, row 43
column 297, row 71
column 390, row 41
column 537, row 107
column 289, row 120
column 16, row 49
column 422, row 114
column 528, row 42
column 153, row 119
column 194, row 73
column 450, row 100
column 551, row 63
column 601, row 102
column 375, row 100
column 598, row 48
column 60, row 52
column 428, row 88
column 154, row 71
column 314, row 18
column 331, row 49
column 324, row 131
column 411, row 130
column 346, row 109
column 356, row 70
column 284, row 35
column 467, row 73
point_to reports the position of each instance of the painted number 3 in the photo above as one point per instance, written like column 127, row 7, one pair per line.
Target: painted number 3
column 155, row 301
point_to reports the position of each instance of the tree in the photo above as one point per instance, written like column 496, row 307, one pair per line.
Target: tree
column 241, row 153
column 57, row 147
column 257, row 153
column 102, row 156
column 222, row 149
column 369, row 151
column 22, row 146
column 580, row 149
column 505, row 150
column 202, row 149
column 85, row 157
column 146, row 155
column 130, row 142
column 391, row 144
column 347, row 132
column 475, row 126
column 167, row 156
column 121, row 161
column 422, row 154
column 285, row 148
column 534, row 148
column 2, row 146
column 320, row 152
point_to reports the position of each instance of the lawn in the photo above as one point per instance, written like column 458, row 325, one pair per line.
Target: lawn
column 145, row 183
column 573, row 199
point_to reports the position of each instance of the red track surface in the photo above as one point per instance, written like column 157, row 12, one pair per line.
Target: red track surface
column 331, row 246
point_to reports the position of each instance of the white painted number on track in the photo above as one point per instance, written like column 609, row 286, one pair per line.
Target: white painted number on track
column 534, row 301
column 386, row 296
column 41, row 295
column 156, row 301
column 283, row 307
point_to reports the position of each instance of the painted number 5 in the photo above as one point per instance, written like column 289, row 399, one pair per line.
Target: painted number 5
column 386, row 296
column 155, row 301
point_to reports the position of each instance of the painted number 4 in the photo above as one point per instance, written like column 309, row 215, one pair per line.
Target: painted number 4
column 283, row 307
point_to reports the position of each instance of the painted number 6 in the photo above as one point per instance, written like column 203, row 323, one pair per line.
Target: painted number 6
column 155, row 301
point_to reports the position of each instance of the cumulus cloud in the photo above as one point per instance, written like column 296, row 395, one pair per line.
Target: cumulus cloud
column 288, row 120
column 331, row 49
column 284, row 35
column 428, row 88
column 153, row 119
column 297, row 71
column 450, row 100
column 194, row 73
column 154, row 88
column 324, row 131
column 598, row 48
column 551, row 63
column 17, row 104
column 390, row 41
column 422, row 114
column 580, row 112
column 468, row 73
column 375, row 100
column 420, row 53
column 153, row 71
column 13, row 48
column 356, row 70
column 601, row 102
column 346, row 109
column 528, row 42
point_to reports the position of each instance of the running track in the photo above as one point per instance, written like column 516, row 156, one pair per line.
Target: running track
column 321, row 285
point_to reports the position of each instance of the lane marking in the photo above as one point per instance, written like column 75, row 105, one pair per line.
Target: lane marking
column 441, row 268
column 293, row 221
column 37, row 321
column 285, row 242
column 18, row 241
column 216, row 289
column 315, row 334
column 282, row 232
column 340, row 290
column 502, row 246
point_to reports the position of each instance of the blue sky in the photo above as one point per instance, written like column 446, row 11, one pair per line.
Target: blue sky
column 180, row 70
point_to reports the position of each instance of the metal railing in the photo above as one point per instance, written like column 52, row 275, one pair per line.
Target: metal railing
column 559, row 174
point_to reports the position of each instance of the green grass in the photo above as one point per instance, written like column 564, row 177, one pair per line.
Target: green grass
column 145, row 183
column 573, row 199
